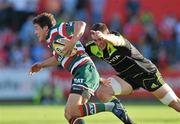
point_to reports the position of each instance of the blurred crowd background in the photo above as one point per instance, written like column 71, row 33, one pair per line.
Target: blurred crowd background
column 153, row 26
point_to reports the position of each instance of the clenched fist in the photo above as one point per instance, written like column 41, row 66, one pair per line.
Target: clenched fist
column 35, row 68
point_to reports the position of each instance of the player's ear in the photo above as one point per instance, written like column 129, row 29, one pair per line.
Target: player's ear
column 45, row 28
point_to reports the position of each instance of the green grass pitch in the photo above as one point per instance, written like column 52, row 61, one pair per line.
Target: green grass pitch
column 53, row 114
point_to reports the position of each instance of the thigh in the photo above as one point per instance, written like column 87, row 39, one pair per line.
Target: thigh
column 152, row 82
column 105, row 92
column 162, row 91
column 86, row 78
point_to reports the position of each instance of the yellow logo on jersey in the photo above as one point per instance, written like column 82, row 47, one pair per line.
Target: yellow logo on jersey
column 111, row 49
column 154, row 86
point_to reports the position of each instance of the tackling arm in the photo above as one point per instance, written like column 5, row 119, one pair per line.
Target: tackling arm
column 115, row 40
column 111, row 38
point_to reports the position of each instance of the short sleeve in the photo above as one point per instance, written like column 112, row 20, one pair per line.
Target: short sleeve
column 66, row 29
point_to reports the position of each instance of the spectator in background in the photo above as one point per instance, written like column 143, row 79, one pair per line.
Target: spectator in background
column 26, row 60
column 16, row 55
column 134, row 31
column 114, row 11
column 37, row 52
column 7, row 38
column 133, row 7
column 49, row 93
column 6, row 12
column 146, row 17
column 3, row 55
column 177, row 31
column 52, row 6
column 21, row 12
column 150, row 41
column 166, row 30
column 83, row 10
column 26, row 33
column 69, row 8
column 97, row 7
column 115, row 24
column 41, row 6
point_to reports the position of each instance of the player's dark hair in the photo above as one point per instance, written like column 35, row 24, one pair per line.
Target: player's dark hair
column 115, row 33
column 100, row 27
column 44, row 19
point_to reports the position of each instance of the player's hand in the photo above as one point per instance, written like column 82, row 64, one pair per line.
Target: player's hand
column 68, row 47
column 105, row 82
column 97, row 35
column 35, row 68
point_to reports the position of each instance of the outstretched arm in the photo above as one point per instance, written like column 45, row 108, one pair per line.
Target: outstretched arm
column 46, row 63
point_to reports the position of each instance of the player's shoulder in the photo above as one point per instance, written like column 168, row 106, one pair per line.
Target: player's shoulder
column 59, row 24
column 54, row 29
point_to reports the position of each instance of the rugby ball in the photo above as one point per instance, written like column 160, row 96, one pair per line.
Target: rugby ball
column 58, row 46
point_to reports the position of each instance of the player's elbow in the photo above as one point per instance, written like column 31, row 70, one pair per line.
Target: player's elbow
column 82, row 23
column 80, row 27
column 67, row 114
column 104, row 96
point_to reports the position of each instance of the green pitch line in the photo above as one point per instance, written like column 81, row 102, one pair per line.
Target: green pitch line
column 33, row 114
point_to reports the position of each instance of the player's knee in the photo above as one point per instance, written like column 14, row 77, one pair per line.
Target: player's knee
column 170, row 99
column 99, row 94
column 116, row 86
column 72, row 112
column 104, row 97
column 67, row 114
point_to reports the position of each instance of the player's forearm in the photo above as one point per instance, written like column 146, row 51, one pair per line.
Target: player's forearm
column 79, row 28
column 49, row 62
column 115, row 40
